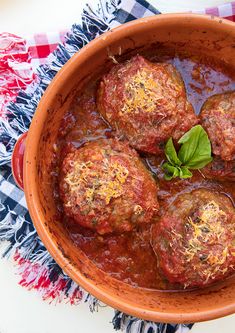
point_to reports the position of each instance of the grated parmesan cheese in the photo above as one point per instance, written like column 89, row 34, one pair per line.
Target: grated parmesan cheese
column 88, row 181
column 143, row 93
column 207, row 229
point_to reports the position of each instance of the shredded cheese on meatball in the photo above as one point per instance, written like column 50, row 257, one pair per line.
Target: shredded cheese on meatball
column 89, row 181
column 142, row 93
column 116, row 175
column 207, row 229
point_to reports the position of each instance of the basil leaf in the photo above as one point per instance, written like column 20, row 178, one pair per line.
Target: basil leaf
column 199, row 162
column 185, row 173
column 171, row 171
column 171, row 153
column 195, row 151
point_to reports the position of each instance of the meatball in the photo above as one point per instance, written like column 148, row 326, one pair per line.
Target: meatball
column 146, row 103
column 218, row 118
column 220, row 169
column 195, row 239
column 104, row 186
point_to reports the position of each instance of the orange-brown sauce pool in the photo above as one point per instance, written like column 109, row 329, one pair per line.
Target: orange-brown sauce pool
column 129, row 257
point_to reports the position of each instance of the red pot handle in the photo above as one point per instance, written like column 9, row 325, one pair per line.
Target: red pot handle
column 17, row 160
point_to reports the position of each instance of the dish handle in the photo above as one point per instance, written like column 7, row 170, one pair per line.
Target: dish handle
column 17, row 160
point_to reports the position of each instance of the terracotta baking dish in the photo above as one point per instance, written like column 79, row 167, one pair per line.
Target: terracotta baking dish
column 189, row 32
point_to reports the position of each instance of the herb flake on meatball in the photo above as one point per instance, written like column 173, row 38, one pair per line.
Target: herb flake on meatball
column 146, row 103
column 104, row 186
column 218, row 119
column 195, row 239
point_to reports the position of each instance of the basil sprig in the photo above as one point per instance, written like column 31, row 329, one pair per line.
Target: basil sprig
column 194, row 153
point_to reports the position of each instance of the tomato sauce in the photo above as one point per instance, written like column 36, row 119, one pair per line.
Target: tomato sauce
column 129, row 257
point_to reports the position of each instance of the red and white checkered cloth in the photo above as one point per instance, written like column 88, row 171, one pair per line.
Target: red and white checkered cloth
column 42, row 44
column 226, row 11
column 19, row 58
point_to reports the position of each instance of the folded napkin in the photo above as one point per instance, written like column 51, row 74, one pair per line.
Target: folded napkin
column 25, row 72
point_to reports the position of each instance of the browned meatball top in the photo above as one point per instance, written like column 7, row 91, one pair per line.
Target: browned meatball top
column 220, row 169
column 104, row 186
column 146, row 102
column 218, row 119
column 195, row 239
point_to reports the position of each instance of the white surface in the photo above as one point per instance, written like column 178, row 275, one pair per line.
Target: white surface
column 27, row 16
column 22, row 311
